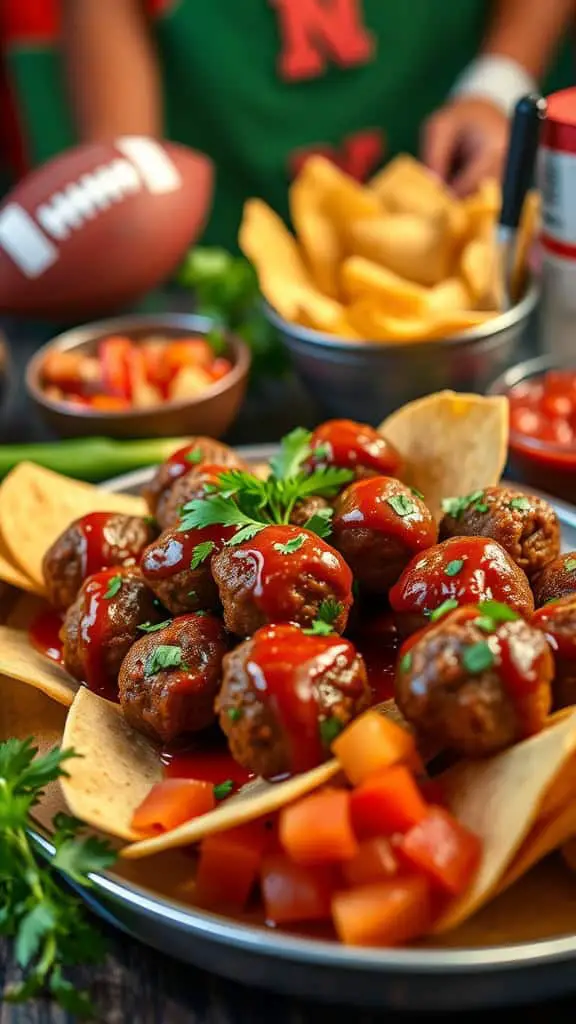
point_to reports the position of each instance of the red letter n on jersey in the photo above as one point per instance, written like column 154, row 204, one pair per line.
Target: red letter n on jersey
column 317, row 31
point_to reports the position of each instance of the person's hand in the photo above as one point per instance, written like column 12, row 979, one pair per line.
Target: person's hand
column 466, row 141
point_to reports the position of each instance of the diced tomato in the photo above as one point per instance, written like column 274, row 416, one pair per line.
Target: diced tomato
column 107, row 403
column 387, row 802
column 172, row 802
column 558, row 382
column 370, row 744
column 432, row 791
column 229, row 865
column 220, row 368
column 444, row 849
column 188, row 352
column 114, row 353
column 556, row 406
column 318, row 828
column 157, row 373
column 556, row 431
column 374, row 862
column 526, row 421
column 292, row 892
column 385, row 914
column 64, row 369
column 528, row 393
column 189, row 382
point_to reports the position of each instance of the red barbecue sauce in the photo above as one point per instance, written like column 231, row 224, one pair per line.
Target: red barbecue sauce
column 274, row 571
column 557, row 620
column 93, row 623
column 174, row 550
column 486, row 574
column 93, row 530
column 44, row 635
column 205, row 757
column 351, row 445
column 369, row 504
column 378, row 642
column 178, row 463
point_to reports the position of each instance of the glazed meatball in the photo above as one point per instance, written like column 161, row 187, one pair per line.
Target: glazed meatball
column 462, row 570
column 474, row 684
column 93, row 542
column 306, row 508
column 527, row 527
column 558, row 621
column 102, row 624
column 201, row 450
column 286, row 696
column 354, row 446
column 177, row 567
column 188, row 487
column 378, row 525
column 558, row 579
column 284, row 574
column 169, row 679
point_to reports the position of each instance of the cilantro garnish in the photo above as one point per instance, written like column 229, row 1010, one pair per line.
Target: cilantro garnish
column 402, row 505
column 492, row 613
column 201, row 552
column 323, row 625
column 292, row 545
column 481, row 506
column 477, row 657
column 165, row 656
column 223, row 789
column 294, row 451
column 151, row 521
column 456, row 507
column 454, row 567
column 153, row 627
column 417, row 493
column 447, row 606
column 520, row 504
column 570, row 565
column 114, row 586
column 320, row 523
column 330, row 728
column 406, row 662
column 195, row 456
column 234, row 714
column 46, row 921
column 319, row 628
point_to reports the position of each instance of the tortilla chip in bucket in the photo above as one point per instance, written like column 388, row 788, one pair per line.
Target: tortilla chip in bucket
column 274, row 252
column 452, row 444
column 317, row 233
column 36, row 505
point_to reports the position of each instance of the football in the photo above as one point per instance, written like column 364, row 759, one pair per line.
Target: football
column 100, row 225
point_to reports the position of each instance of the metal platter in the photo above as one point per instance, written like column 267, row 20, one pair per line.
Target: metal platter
column 424, row 979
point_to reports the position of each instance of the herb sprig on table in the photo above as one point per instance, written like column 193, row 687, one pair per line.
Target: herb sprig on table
column 243, row 501
column 47, row 923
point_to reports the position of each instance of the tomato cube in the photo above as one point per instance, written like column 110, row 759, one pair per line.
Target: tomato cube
column 172, row 802
column 229, row 865
column 374, row 862
column 370, row 744
column 387, row 802
column 318, row 828
column 386, row 914
column 443, row 849
column 292, row 892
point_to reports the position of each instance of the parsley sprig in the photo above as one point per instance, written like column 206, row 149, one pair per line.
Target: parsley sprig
column 240, row 500
column 46, row 922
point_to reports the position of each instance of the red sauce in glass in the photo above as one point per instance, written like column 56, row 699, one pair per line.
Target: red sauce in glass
column 174, row 550
column 274, row 572
column 543, row 431
column 206, row 758
column 558, row 622
column 485, row 573
column 44, row 635
column 351, row 445
column 286, row 666
column 388, row 507
column 94, row 621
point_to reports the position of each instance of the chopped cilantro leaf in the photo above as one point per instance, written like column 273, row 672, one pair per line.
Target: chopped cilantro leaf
column 292, row 545
column 319, row 628
column 520, row 504
column 330, row 610
column 402, row 505
column 195, row 456
column 455, row 507
column 406, row 662
column 320, row 523
column 293, row 453
column 454, row 567
column 330, row 728
column 223, row 789
column 481, row 506
column 153, row 627
column 201, row 552
column 497, row 611
column 322, row 452
column 114, row 586
column 164, row 656
column 570, row 565
column 234, row 714
column 151, row 521
column 477, row 657
column 447, row 606
column 417, row 493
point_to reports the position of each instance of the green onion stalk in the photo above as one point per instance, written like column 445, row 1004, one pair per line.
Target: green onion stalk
column 91, row 458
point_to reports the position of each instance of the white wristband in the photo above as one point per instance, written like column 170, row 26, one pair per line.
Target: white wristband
column 499, row 79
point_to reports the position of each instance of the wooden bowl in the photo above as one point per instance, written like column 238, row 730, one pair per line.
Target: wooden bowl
column 211, row 413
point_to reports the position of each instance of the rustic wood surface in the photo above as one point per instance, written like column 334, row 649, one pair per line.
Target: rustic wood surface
column 136, row 985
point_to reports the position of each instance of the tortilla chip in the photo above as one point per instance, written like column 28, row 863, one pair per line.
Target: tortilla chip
column 394, row 295
column 448, row 296
column 316, row 231
column 36, row 505
column 452, row 444
column 128, row 765
column 527, row 232
column 413, row 247
column 19, row 660
column 275, row 255
column 500, row 800
column 10, row 573
column 319, row 312
column 345, row 199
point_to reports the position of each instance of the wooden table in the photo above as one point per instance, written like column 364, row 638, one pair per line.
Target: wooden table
column 136, row 985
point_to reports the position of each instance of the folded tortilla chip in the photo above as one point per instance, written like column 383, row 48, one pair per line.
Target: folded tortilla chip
column 448, row 296
column 413, row 247
column 317, row 232
column 19, row 660
column 406, row 185
column 345, row 199
column 452, row 444
column 36, row 505
column 393, row 294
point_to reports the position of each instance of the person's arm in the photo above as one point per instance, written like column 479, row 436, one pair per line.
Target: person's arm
column 111, row 68
column 466, row 140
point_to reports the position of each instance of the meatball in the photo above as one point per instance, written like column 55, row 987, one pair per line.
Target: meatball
column 102, row 624
column 169, row 679
column 558, row 579
column 97, row 541
column 462, row 570
column 527, row 527
column 192, row 485
column 284, row 574
column 306, row 508
column 354, row 446
column 201, row 450
column 558, row 621
column 177, row 567
column 286, row 696
column 476, row 684
column 378, row 525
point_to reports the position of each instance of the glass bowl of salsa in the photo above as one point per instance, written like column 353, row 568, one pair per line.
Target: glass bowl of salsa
column 542, row 396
